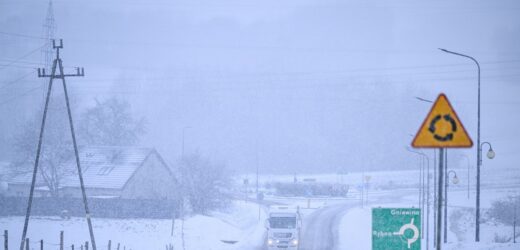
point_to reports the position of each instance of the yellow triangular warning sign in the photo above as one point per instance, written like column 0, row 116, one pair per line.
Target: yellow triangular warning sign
column 442, row 128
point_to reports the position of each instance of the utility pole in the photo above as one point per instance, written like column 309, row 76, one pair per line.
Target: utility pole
column 439, row 203
column 514, row 219
column 445, row 196
column 57, row 73
column 435, row 201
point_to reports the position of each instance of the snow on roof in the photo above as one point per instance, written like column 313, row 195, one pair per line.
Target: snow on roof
column 102, row 167
column 4, row 166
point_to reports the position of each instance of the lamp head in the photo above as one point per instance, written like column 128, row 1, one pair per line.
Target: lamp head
column 455, row 180
column 491, row 154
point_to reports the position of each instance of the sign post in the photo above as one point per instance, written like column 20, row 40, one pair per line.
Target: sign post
column 396, row 228
column 441, row 129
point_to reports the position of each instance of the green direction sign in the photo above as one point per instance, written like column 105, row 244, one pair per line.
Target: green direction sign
column 396, row 228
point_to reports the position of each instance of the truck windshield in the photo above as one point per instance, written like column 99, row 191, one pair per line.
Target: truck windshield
column 282, row 222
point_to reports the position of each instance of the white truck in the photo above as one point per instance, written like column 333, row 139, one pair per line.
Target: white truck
column 283, row 228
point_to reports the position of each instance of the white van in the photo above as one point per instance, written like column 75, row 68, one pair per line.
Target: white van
column 283, row 228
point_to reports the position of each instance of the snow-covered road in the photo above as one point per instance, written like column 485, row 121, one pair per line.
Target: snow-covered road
column 320, row 228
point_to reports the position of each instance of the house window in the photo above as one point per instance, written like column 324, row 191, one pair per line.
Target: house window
column 104, row 170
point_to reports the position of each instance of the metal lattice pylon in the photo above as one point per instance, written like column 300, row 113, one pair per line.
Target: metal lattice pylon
column 48, row 32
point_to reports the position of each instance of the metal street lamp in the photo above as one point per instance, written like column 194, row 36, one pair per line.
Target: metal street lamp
column 477, row 217
column 427, row 195
column 182, row 204
column 467, row 159
column 455, row 181
column 490, row 154
column 434, row 186
column 423, row 100
column 421, row 182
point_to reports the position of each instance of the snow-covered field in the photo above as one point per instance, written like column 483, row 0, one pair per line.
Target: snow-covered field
column 239, row 223
column 243, row 222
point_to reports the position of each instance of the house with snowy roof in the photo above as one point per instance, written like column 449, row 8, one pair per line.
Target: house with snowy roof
column 4, row 172
column 109, row 172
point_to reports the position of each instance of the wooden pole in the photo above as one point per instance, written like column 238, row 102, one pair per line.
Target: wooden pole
column 26, row 243
column 514, row 223
column 81, row 247
column 61, row 240
column 41, row 244
column 118, row 244
column 72, row 247
column 86, row 245
column 109, row 244
column 6, row 240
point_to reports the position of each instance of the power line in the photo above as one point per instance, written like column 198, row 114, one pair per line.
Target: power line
column 20, row 62
column 24, row 56
column 18, row 66
column 22, row 35
column 16, row 80
column 18, row 96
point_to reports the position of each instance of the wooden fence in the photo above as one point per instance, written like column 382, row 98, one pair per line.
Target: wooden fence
column 29, row 244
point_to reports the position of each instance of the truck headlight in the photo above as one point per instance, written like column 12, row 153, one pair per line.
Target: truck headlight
column 270, row 242
column 294, row 242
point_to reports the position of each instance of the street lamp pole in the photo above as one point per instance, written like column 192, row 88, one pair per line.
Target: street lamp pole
column 424, row 156
column 428, row 184
column 477, row 217
column 182, row 204
column 446, row 180
column 427, row 201
column 455, row 181
column 467, row 159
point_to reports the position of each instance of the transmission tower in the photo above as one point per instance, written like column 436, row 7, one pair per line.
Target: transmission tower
column 48, row 32
column 57, row 72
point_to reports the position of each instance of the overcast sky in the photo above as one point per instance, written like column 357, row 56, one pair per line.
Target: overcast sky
column 307, row 85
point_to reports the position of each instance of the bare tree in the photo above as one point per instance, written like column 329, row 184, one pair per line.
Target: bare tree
column 110, row 123
column 504, row 210
column 56, row 151
column 204, row 184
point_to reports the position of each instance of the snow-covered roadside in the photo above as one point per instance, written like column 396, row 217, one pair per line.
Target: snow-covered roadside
column 355, row 226
column 355, row 229
column 238, row 223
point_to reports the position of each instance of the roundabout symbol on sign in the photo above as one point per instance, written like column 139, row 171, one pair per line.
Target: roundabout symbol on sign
column 412, row 227
column 447, row 137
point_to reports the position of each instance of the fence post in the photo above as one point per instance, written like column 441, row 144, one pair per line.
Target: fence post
column 6, row 240
column 72, row 246
column 109, row 244
column 118, row 246
column 61, row 240
column 26, row 243
column 81, row 247
column 41, row 244
column 86, row 245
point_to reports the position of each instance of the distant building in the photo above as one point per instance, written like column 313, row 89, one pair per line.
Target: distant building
column 109, row 172
column 4, row 171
